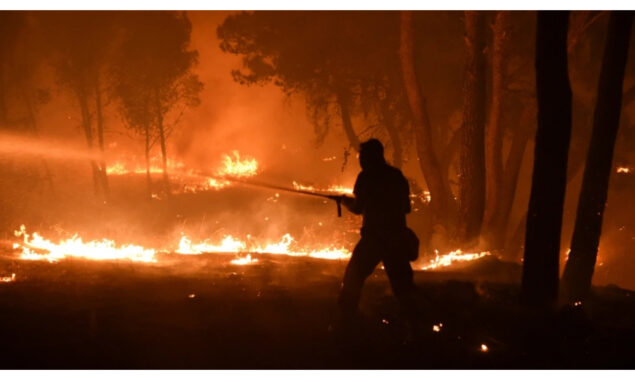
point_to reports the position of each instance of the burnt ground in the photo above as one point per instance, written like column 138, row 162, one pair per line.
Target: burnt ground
column 280, row 313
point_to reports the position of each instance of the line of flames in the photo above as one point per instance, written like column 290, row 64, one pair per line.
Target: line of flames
column 232, row 166
column 35, row 247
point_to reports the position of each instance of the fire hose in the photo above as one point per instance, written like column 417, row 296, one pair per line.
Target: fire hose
column 338, row 198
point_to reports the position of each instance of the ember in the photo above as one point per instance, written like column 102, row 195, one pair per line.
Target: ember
column 484, row 348
column 623, row 170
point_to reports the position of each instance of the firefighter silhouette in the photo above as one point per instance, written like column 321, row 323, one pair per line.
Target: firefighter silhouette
column 382, row 198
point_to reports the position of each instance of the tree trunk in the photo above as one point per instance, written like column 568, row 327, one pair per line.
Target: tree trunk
column 389, row 123
column 103, row 174
column 88, row 133
column 544, row 219
column 3, row 102
column 164, row 153
column 450, row 151
column 597, row 171
column 436, row 181
column 629, row 96
column 498, row 227
column 344, row 102
column 147, row 153
column 494, row 130
column 34, row 129
column 472, row 187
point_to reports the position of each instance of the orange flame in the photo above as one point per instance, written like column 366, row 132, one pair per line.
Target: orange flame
column 452, row 258
column 75, row 247
column 244, row 260
column 7, row 279
column 238, row 167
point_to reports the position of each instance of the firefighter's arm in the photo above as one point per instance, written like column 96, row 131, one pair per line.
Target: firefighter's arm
column 351, row 204
column 355, row 204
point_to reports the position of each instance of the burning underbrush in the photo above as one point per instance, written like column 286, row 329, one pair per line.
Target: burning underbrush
column 35, row 247
column 226, row 211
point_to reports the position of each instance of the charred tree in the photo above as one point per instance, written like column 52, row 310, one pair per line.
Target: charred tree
column 494, row 130
column 593, row 195
column 33, row 125
column 439, row 190
column 343, row 100
column 88, row 134
column 522, row 135
column 544, row 219
column 472, row 156
column 164, row 151
column 393, row 132
column 146, row 131
column 103, row 174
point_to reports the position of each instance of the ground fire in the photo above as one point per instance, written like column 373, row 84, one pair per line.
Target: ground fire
column 333, row 189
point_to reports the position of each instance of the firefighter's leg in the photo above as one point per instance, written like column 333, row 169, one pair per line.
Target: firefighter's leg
column 400, row 275
column 361, row 265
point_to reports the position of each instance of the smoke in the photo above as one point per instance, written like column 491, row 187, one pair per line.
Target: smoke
column 17, row 145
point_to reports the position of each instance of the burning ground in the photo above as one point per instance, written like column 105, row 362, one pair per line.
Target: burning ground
column 203, row 279
column 171, row 233
column 203, row 311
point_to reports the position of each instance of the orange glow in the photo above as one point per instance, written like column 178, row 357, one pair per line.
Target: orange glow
column 7, row 279
column 228, row 244
column 441, row 261
column 244, row 260
column 189, row 180
column 35, row 247
column 336, row 189
column 623, row 170
column 484, row 348
column 238, row 167
column 75, row 247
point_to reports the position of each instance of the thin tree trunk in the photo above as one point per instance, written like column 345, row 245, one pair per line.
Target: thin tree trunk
column 343, row 100
column 393, row 133
column 103, row 174
column 147, row 155
column 88, row 133
column 430, row 167
column 593, row 195
column 494, row 129
column 450, row 150
column 544, row 219
column 514, row 161
column 164, row 153
column 34, row 129
column 516, row 240
column 472, row 187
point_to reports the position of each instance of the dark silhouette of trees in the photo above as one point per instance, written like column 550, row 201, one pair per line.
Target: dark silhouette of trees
column 80, row 44
column 439, row 189
column 593, row 196
column 10, row 24
column 153, row 78
column 544, row 219
column 494, row 128
column 472, row 156
column 342, row 63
